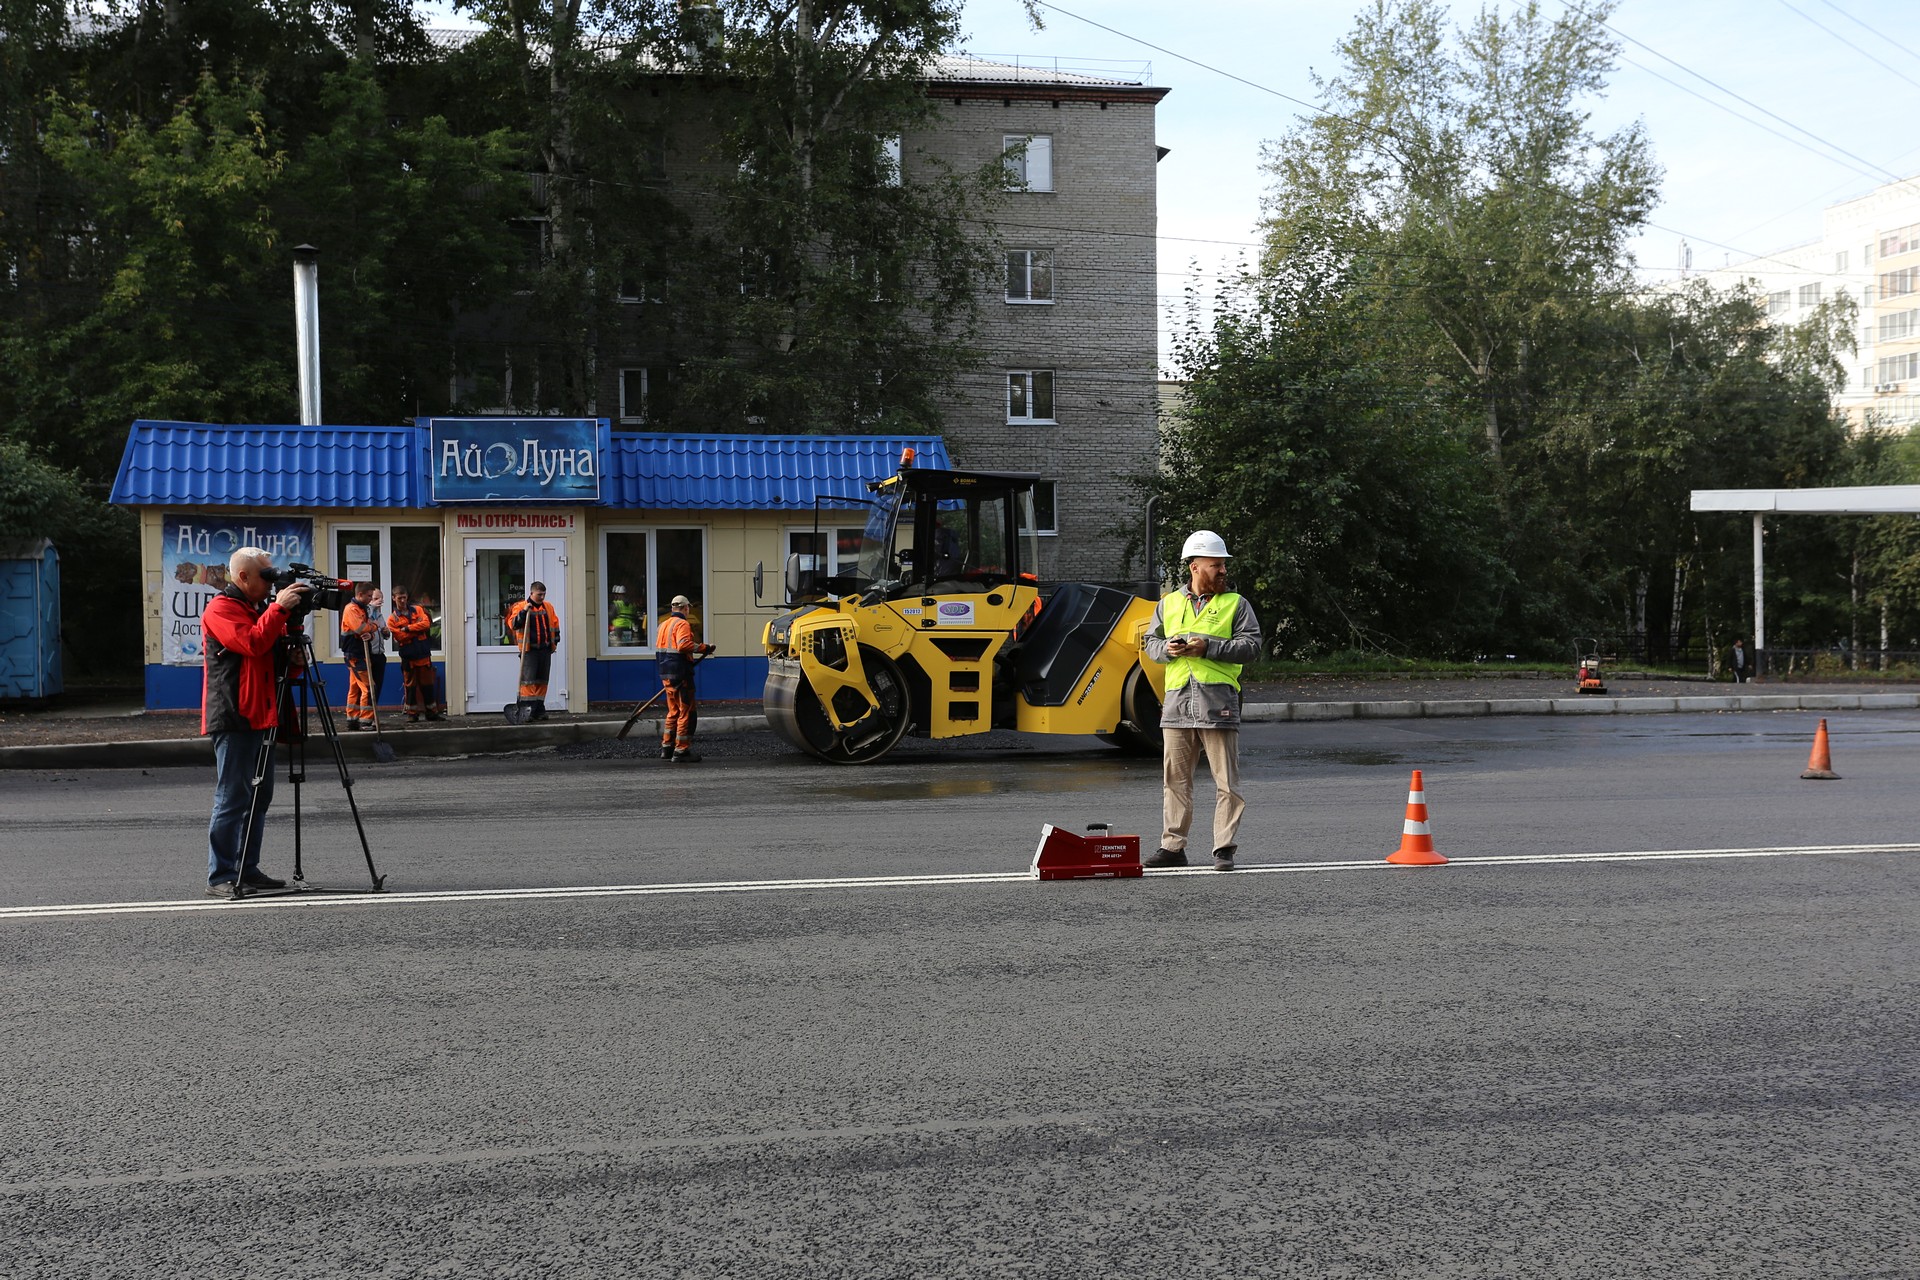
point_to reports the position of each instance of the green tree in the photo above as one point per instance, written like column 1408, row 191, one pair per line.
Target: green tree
column 99, row 556
column 1465, row 176
column 805, row 286
column 1356, row 510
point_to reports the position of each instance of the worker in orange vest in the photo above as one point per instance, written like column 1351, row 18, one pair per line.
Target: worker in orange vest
column 675, row 650
column 412, row 632
column 356, row 629
column 536, row 627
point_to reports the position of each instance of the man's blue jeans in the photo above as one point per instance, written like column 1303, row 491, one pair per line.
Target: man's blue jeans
column 234, row 756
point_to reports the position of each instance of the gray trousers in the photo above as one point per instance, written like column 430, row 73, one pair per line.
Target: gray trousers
column 1181, row 757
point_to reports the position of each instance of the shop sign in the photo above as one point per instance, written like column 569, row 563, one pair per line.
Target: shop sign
column 193, row 561
column 514, row 521
column 515, row 459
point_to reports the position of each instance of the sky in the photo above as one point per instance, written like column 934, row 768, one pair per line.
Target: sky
column 1732, row 188
column 1739, row 182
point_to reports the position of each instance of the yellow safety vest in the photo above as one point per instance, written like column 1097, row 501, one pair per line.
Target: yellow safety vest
column 1215, row 622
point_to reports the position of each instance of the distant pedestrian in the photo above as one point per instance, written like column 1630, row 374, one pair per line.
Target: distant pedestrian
column 535, row 626
column 1741, row 670
column 676, row 651
column 412, row 631
column 356, row 628
column 243, row 633
column 1205, row 634
column 377, row 645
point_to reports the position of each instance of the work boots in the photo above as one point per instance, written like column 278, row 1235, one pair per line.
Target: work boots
column 666, row 751
column 684, row 756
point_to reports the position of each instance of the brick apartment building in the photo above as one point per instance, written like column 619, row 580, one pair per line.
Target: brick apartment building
column 1066, row 387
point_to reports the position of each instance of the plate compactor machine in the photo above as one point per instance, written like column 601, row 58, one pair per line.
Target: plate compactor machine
column 939, row 630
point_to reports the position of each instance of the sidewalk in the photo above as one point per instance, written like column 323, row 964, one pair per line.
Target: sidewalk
column 118, row 733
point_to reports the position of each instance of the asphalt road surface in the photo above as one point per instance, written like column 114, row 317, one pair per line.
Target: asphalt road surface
column 530, row 1059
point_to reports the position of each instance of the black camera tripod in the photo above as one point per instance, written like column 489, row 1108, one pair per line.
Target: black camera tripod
column 298, row 692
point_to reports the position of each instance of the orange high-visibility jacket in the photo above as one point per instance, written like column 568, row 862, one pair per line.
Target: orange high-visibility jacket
column 675, row 633
column 411, row 623
column 536, row 626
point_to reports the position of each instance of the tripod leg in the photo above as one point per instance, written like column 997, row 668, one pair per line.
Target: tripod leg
column 297, row 774
column 262, row 770
column 319, row 701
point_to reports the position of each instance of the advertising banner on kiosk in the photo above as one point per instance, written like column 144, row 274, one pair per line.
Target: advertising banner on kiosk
column 193, row 565
column 516, row 459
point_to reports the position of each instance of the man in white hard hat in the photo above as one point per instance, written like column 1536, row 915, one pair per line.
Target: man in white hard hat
column 1205, row 634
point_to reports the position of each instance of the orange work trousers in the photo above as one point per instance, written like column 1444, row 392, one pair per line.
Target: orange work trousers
column 359, row 693
column 677, row 730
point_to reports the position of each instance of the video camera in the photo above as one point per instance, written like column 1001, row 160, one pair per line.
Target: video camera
column 323, row 592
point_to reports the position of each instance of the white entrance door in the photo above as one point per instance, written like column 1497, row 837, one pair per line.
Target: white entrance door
column 498, row 571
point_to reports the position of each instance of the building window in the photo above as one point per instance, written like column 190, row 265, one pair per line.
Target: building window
column 393, row 557
column 648, row 284
column 1779, row 302
column 1030, row 395
column 491, row 378
column 829, row 552
column 890, row 161
column 1840, row 262
column 1899, row 368
column 642, row 394
column 1044, row 518
column 1905, row 240
column 1029, row 275
column 1810, row 295
column 1898, row 284
column 653, row 156
column 641, row 571
column 534, row 237
column 1029, row 161
column 1895, row 325
column 756, row 274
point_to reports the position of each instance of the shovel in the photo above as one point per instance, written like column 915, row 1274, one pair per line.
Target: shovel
column 638, row 711
column 382, row 752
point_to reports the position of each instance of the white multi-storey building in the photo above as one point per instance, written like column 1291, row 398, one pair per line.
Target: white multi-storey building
column 1869, row 249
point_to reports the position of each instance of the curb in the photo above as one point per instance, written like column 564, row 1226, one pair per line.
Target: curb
column 357, row 747
column 1272, row 712
column 504, row 739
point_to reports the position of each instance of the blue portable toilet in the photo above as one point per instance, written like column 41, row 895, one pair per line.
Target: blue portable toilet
column 30, row 620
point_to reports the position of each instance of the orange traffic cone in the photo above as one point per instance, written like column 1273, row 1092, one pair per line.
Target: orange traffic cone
column 1820, row 763
column 1416, row 838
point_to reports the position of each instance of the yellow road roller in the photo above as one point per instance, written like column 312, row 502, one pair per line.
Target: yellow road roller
column 940, row 629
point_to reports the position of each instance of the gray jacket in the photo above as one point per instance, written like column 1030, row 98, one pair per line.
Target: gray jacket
column 1206, row 706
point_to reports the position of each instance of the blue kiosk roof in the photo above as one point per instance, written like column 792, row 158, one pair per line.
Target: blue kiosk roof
column 197, row 464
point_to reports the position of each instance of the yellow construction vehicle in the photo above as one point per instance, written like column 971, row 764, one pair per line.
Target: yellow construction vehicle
column 939, row 630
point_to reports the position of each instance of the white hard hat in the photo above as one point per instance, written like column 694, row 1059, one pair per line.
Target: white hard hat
column 1205, row 542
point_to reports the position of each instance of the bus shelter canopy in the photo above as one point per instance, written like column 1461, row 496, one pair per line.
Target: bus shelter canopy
column 1847, row 500
column 1852, row 500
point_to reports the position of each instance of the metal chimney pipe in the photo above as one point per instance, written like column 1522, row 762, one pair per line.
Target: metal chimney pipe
column 306, row 329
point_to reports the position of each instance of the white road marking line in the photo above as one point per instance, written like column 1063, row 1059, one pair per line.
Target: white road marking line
column 398, row 898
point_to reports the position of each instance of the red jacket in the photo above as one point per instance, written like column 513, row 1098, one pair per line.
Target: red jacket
column 240, row 642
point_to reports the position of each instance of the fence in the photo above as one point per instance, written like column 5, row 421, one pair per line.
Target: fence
column 1779, row 662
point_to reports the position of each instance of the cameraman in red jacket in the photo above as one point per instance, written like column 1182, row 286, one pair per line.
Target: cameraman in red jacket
column 241, row 633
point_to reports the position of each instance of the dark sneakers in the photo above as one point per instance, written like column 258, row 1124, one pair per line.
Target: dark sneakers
column 221, row 889
column 1223, row 857
column 261, row 880
column 1166, row 858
